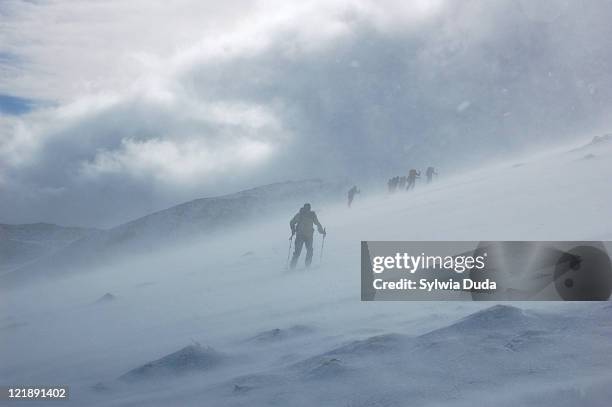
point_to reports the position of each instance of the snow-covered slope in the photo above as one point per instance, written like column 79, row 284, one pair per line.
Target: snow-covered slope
column 303, row 338
column 174, row 225
column 22, row 243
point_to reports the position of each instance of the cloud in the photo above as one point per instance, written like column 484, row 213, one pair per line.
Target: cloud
column 149, row 104
column 175, row 163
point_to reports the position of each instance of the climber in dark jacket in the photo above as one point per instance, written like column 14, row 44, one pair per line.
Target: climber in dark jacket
column 302, row 226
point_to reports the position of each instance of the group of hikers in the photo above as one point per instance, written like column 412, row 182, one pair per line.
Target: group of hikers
column 408, row 182
column 303, row 223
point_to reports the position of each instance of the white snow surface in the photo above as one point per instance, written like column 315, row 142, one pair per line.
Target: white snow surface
column 219, row 322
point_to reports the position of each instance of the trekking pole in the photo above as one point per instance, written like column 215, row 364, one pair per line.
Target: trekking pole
column 322, row 245
column 289, row 252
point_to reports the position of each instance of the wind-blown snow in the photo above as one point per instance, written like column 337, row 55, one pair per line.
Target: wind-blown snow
column 20, row 244
column 169, row 227
column 304, row 338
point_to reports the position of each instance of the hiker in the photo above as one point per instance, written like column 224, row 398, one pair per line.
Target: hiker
column 402, row 182
column 412, row 176
column 392, row 183
column 351, row 194
column 302, row 228
column 431, row 171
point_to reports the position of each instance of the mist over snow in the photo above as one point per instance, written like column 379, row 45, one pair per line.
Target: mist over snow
column 216, row 320
column 204, row 218
column 132, row 107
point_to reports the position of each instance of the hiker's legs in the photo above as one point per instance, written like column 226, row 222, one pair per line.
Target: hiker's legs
column 308, row 242
column 299, row 242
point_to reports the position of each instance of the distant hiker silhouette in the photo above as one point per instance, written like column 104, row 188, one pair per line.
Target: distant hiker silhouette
column 412, row 176
column 402, row 182
column 303, row 229
column 431, row 171
column 351, row 194
column 392, row 184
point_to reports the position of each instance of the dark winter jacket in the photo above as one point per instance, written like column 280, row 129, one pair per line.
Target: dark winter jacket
column 302, row 223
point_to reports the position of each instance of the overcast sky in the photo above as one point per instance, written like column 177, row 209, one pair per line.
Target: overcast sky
column 113, row 109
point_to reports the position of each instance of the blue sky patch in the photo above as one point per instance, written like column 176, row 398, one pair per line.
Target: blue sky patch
column 14, row 105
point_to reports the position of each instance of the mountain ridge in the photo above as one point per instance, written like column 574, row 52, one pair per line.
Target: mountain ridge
column 178, row 223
